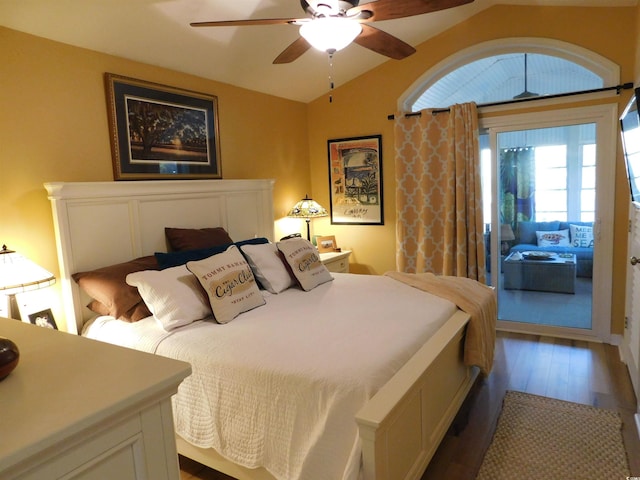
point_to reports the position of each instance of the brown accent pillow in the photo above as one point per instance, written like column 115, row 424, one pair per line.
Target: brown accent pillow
column 181, row 239
column 109, row 289
column 135, row 313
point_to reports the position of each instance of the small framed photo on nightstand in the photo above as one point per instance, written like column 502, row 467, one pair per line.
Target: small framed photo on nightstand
column 327, row 244
column 43, row 318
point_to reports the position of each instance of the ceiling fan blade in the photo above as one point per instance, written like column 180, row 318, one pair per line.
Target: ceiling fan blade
column 242, row 23
column 383, row 43
column 391, row 9
column 293, row 51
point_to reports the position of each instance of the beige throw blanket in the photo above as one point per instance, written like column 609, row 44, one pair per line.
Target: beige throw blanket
column 472, row 297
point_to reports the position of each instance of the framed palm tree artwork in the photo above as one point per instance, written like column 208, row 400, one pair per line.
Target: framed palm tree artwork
column 355, row 180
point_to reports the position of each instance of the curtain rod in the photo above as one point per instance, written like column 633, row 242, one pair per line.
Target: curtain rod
column 617, row 88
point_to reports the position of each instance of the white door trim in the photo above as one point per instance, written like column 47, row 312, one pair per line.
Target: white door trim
column 630, row 347
column 605, row 117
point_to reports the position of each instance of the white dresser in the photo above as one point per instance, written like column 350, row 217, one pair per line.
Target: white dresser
column 80, row 409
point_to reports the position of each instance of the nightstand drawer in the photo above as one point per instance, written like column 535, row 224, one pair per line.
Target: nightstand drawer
column 337, row 262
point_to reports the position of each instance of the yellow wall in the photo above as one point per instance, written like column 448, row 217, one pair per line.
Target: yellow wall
column 361, row 108
column 53, row 127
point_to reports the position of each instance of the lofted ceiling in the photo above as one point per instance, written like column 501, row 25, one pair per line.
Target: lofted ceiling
column 157, row 32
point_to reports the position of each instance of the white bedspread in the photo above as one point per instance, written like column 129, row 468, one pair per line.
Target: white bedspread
column 279, row 386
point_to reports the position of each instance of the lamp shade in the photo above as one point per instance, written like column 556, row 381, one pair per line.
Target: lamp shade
column 330, row 34
column 506, row 233
column 307, row 208
column 19, row 274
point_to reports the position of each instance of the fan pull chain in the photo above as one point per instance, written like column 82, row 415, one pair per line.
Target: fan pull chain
column 330, row 77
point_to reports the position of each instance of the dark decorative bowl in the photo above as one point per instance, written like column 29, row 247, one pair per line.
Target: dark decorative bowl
column 9, row 357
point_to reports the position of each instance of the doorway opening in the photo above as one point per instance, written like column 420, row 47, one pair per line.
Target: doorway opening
column 546, row 177
column 546, row 212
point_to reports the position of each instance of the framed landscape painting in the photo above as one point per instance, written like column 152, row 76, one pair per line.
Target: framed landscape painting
column 160, row 132
column 355, row 180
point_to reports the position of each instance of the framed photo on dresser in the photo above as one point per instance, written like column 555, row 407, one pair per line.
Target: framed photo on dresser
column 43, row 318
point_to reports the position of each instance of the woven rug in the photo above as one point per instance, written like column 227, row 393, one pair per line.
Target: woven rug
column 543, row 438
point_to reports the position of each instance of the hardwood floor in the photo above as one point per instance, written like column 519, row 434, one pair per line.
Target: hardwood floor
column 575, row 371
column 190, row 470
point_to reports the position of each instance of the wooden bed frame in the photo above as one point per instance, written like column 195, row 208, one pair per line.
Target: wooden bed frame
column 103, row 223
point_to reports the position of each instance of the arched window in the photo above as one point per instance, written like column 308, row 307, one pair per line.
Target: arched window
column 565, row 161
column 507, row 77
column 494, row 71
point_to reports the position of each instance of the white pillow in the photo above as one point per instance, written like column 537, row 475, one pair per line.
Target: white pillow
column 304, row 261
column 268, row 267
column 173, row 295
column 229, row 283
column 581, row 235
column 553, row 238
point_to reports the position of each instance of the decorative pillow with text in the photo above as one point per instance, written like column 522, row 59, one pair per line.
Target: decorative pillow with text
column 304, row 260
column 581, row 235
column 229, row 283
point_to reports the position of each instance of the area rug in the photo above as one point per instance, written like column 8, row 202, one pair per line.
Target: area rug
column 544, row 438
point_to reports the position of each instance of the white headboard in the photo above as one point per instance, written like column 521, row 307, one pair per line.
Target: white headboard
column 104, row 223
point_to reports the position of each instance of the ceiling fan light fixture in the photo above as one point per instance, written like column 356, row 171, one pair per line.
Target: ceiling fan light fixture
column 330, row 34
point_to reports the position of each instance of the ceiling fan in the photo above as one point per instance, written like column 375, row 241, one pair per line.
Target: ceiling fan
column 331, row 25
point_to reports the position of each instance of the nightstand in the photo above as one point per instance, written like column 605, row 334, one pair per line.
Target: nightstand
column 337, row 262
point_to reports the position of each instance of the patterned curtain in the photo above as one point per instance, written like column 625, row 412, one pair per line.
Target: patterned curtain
column 438, row 197
column 517, row 185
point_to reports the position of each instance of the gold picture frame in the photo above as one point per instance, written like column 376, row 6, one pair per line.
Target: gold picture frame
column 327, row 244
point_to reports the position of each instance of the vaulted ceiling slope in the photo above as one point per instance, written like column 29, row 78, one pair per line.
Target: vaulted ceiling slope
column 157, row 32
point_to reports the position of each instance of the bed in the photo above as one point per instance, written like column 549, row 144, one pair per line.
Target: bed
column 389, row 421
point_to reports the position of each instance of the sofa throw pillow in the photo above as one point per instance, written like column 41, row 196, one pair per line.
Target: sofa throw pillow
column 581, row 235
column 526, row 231
column 268, row 267
column 304, row 261
column 229, row 283
column 173, row 295
column 557, row 238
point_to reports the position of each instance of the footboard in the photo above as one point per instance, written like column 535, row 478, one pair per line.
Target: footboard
column 403, row 424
